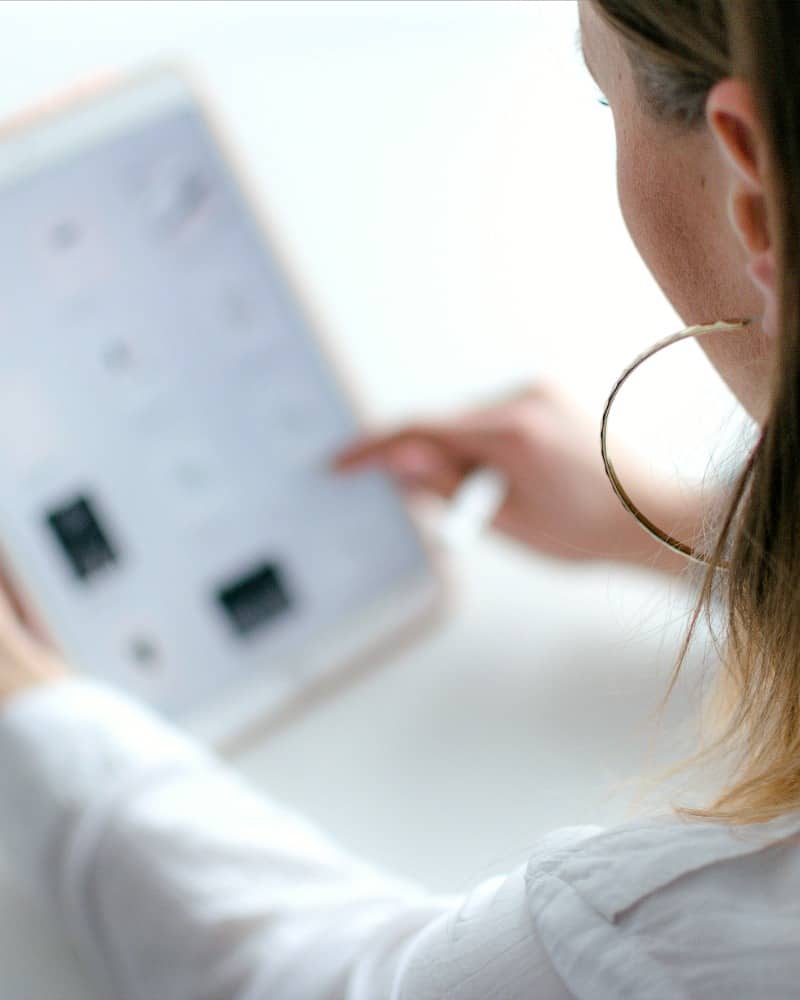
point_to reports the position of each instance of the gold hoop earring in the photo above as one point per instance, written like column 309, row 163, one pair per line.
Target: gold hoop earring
column 721, row 326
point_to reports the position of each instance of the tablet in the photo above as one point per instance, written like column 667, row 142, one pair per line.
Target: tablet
column 167, row 419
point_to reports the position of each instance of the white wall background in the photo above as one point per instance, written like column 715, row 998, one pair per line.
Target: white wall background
column 443, row 179
column 440, row 172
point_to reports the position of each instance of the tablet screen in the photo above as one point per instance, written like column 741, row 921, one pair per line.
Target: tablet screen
column 166, row 422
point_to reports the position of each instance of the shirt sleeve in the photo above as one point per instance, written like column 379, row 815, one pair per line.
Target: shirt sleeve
column 178, row 881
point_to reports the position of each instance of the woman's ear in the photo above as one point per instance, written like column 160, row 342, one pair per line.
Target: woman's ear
column 734, row 123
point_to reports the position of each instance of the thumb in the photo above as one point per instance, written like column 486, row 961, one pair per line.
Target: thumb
column 17, row 618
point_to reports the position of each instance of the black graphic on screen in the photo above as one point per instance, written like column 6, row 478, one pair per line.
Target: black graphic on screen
column 83, row 540
column 252, row 601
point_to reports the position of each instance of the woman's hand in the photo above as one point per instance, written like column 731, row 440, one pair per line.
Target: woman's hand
column 559, row 503
column 26, row 657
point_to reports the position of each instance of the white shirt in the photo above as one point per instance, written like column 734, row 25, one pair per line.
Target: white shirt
column 180, row 883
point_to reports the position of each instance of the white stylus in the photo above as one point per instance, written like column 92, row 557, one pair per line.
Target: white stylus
column 473, row 507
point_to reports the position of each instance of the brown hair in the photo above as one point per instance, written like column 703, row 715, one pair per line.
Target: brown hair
column 678, row 51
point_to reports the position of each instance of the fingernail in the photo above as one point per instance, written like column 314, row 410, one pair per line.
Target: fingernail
column 411, row 463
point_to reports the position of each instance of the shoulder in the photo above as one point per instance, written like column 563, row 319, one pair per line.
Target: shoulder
column 668, row 909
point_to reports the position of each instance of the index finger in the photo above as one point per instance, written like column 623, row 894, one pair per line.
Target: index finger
column 374, row 447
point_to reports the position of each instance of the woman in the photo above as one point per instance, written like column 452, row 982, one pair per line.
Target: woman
column 180, row 883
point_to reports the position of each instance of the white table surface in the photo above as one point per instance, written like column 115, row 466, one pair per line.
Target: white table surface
column 464, row 208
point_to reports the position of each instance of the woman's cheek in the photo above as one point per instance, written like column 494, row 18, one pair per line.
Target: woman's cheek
column 657, row 220
column 637, row 206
